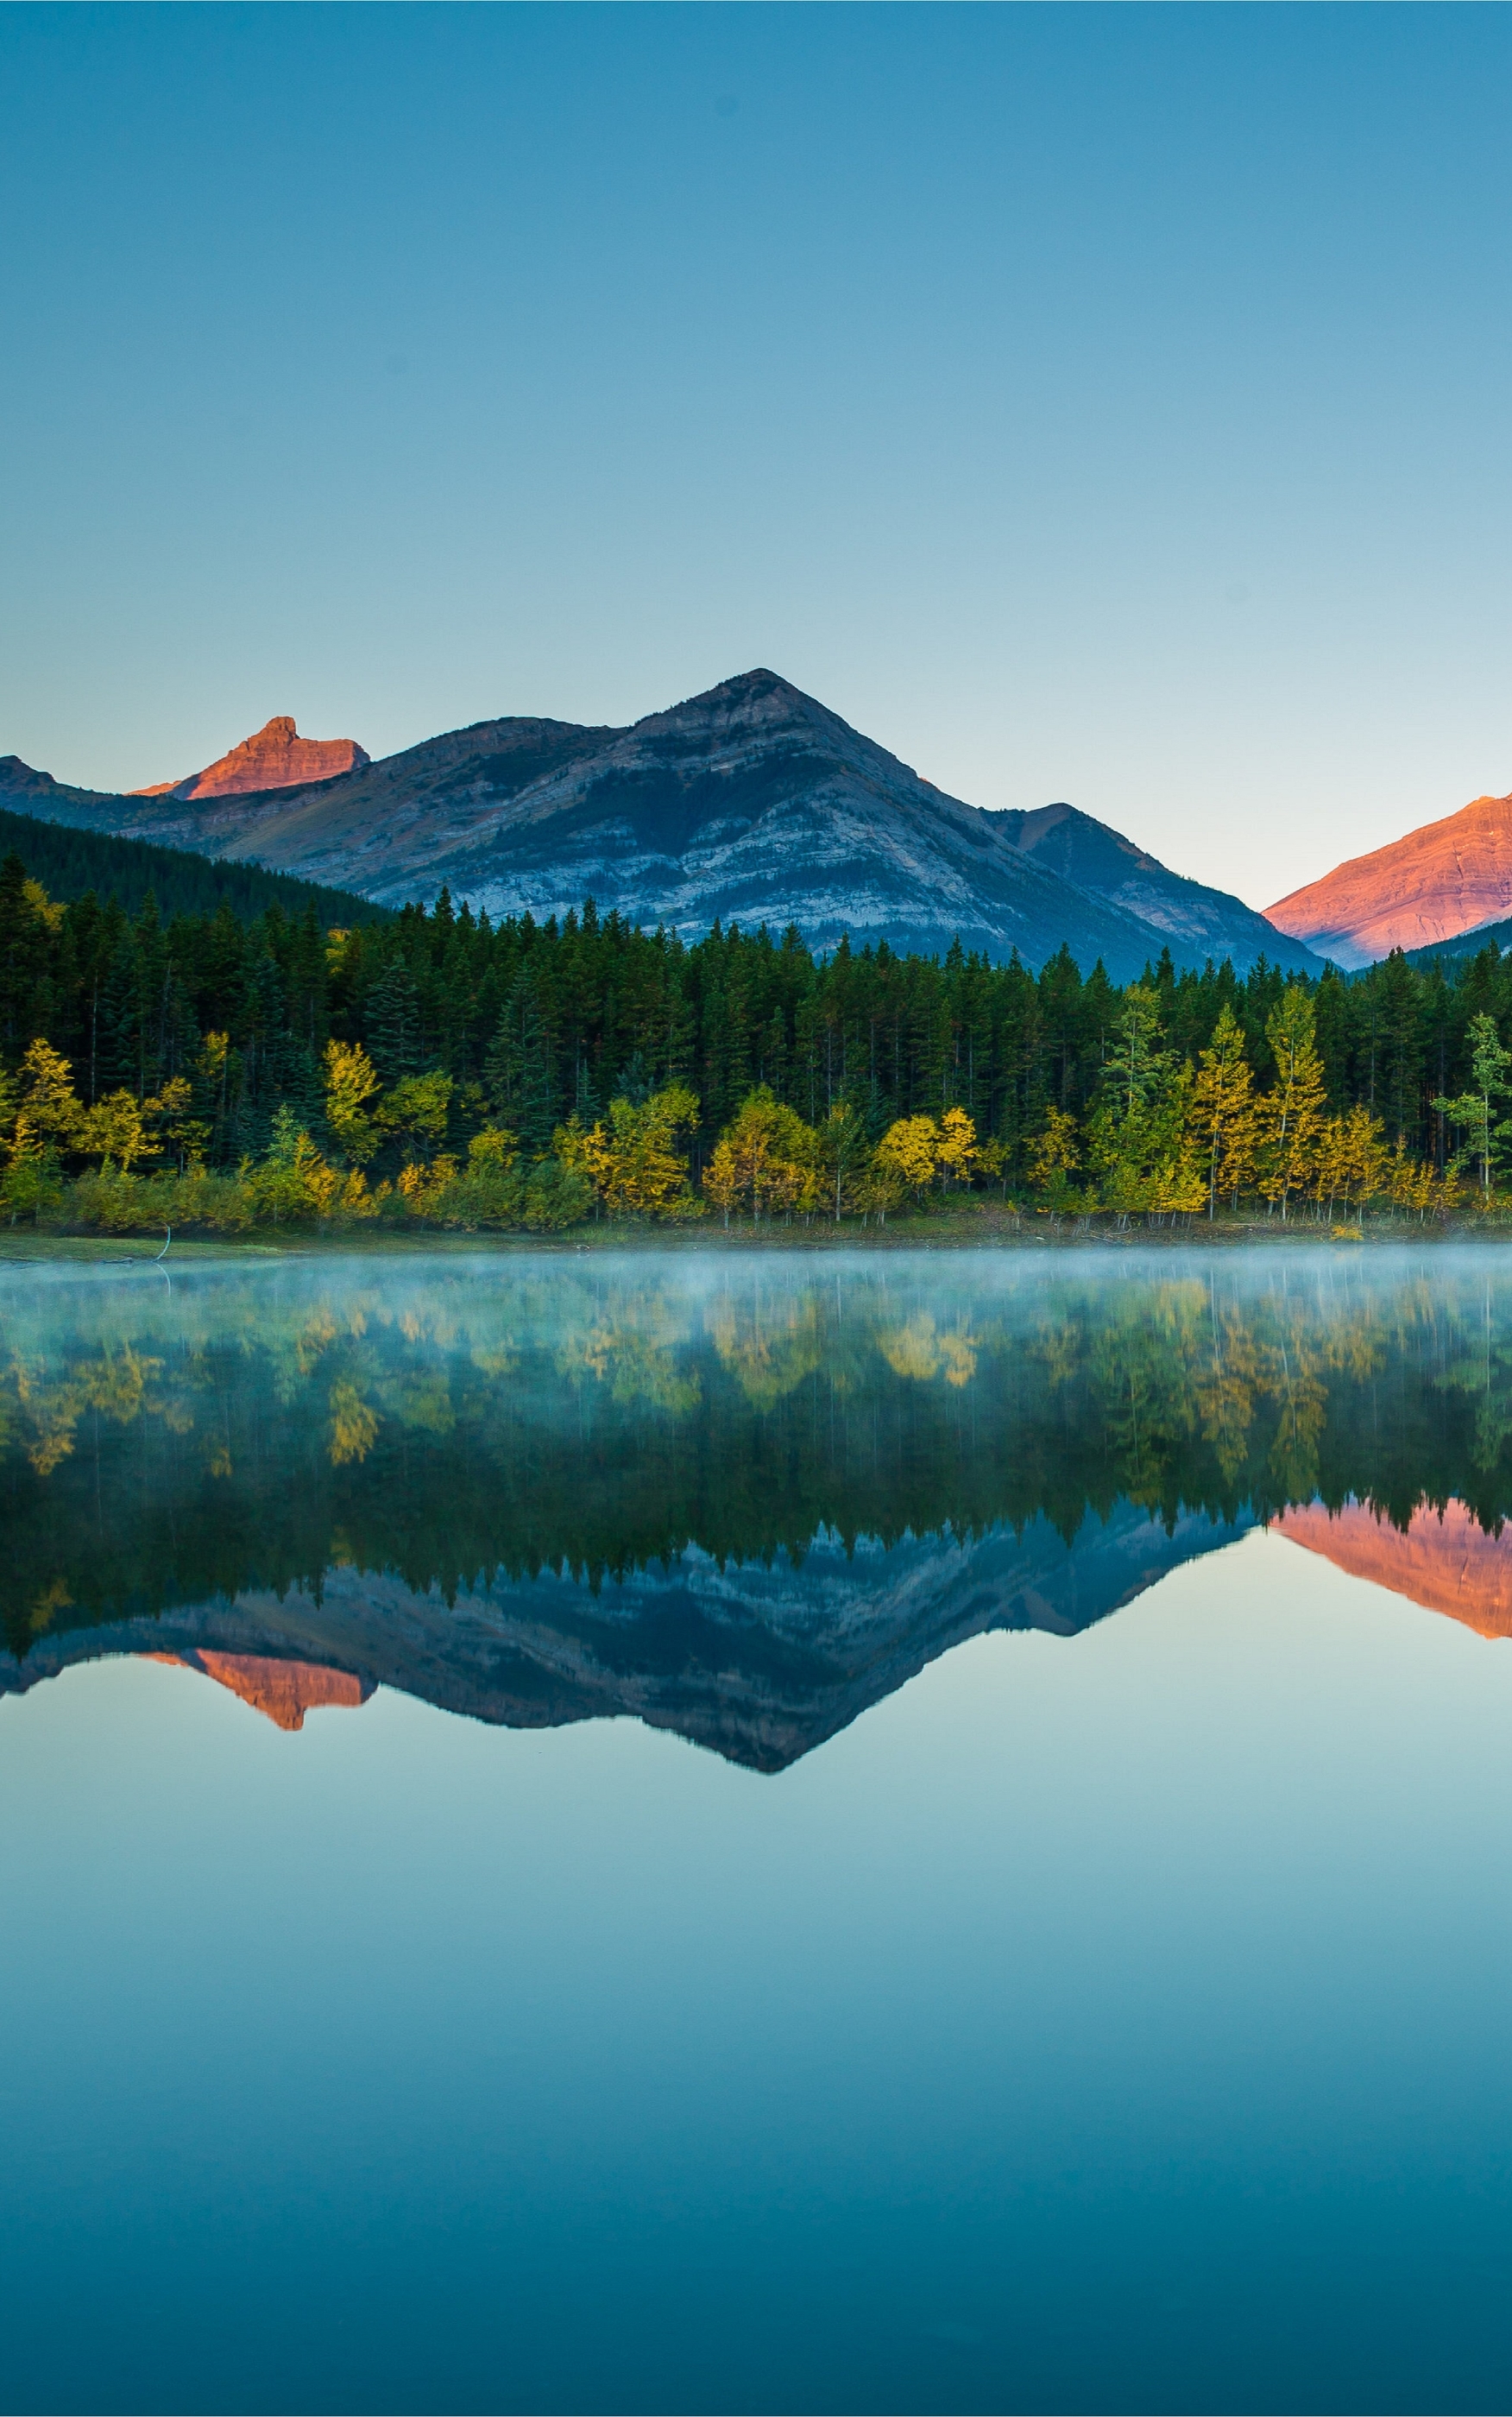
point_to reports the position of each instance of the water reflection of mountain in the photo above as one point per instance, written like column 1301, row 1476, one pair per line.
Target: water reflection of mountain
column 739, row 1497
column 760, row 1663
column 1444, row 1559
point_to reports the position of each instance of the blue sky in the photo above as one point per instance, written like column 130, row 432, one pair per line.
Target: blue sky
column 1109, row 404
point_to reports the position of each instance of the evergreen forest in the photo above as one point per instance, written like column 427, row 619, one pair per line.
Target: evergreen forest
column 216, row 1067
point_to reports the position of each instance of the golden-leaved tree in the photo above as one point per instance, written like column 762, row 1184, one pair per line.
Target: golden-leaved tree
column 635, row 1160
column 765, row 1161
column 1291, row 1112
column 351, row 1080
column 910, row 1150
column 1221, row 1112
column 1055, row 1156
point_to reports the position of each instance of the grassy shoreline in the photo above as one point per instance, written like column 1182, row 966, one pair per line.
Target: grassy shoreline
column 980, row 1225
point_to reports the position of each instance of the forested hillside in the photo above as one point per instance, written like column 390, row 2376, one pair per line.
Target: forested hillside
column 502, row 1049
column 68, row 863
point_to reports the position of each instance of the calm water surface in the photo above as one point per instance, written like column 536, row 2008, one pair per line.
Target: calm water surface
column 909, row 1833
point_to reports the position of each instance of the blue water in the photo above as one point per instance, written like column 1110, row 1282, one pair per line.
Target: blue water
column 1106, row 2021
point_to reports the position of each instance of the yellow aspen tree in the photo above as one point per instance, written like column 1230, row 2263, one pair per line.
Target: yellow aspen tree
column 114, row 1130
column 1366, row 1160
column 1054, row 1155
column 351, row 1080
column 1332, row 1171
column 51, row 1109
column 909, row 1150
column 492, row 1151
column 721, row 1180
column 956, row 1149
column 1178, row 1184
column 647, row 1173
column 771, row 1151
column 1221, row 1110
column 1291, row 1112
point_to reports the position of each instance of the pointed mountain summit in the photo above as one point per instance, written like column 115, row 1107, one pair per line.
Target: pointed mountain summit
column 1445, row 879
column 750, row 803
column 275, row 757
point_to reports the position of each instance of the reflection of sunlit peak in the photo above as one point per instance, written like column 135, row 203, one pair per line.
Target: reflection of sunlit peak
column 1446, row 1561
column 282, row 1692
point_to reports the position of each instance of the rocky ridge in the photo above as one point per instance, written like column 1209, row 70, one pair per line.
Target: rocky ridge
column 751, row 803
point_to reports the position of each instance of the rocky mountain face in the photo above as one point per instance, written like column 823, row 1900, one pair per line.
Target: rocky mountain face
column 275, row 757
column 752, row 803
column 1446, row 878
column 758, row 1663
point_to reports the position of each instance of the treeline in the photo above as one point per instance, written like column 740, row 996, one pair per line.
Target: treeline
column 375, row 1068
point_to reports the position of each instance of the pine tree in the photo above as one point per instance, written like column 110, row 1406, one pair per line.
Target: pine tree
column 516, row 1070
column 393, row 1021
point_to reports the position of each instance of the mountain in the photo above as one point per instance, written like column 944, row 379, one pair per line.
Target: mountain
column 760, row 1663
column 1496, row 936
column 275, row 757
column 1438, row 881
column 1197, row 922
column 751, row 803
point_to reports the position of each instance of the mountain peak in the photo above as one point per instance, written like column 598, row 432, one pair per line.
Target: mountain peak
column 750, row 802
column 275, row 757
column 1443, row 878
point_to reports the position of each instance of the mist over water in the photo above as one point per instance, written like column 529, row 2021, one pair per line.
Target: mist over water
column 893, row 1830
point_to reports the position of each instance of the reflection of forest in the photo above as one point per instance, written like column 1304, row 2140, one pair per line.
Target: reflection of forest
column 587, row 1427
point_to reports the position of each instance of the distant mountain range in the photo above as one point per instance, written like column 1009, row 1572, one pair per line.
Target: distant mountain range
column 1448, row 877
column 759, row 1663
column 751, row 803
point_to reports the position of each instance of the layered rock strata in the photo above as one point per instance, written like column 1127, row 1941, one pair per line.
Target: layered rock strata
column 275, row 757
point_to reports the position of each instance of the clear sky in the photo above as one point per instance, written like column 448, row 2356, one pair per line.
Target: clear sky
column 1109, row 404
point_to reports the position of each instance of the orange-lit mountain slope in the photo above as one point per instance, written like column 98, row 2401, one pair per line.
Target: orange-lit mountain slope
column 1448, row 1564
column 1438, row 881
column 275, row 757
column 283, row 1692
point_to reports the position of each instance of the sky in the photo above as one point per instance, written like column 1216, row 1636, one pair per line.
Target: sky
column 1107, row 404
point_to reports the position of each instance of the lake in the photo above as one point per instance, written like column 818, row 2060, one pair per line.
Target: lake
column 895, row 1831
